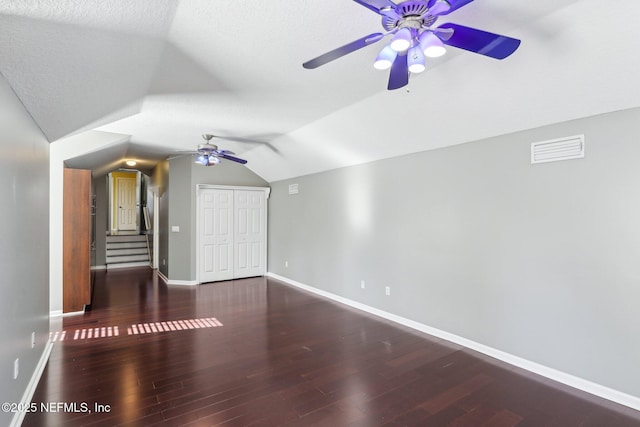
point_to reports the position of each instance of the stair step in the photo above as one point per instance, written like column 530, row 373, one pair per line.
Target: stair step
column 127, row 258
column 127, row 245
column 127, row 238
column 127, row 265
column 126, row 251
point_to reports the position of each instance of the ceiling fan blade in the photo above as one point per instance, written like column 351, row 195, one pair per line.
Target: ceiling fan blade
column 343, row 50
column 482, row 42
column 442, row 33
column 376, row 5
column 454, row 5
column 177, row 156
column 225, row 152
column 238, row 139
column 232, row 158
column 263, row 139
column 399, row 74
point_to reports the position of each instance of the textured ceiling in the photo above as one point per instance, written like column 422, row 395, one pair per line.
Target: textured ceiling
column 165, row 72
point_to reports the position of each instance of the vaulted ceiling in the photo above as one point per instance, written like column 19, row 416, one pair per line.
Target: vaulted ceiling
column 163, row 72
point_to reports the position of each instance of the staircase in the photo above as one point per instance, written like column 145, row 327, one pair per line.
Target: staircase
column 127, row 251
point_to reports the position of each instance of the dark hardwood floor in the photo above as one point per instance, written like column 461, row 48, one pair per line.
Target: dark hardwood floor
column 260, row 353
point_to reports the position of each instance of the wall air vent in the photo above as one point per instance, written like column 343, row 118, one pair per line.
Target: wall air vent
column 293, row 188
column 571, row 147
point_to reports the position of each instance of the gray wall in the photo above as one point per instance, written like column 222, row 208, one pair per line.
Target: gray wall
column 539, row 261
column 24, row 247
column 184, row 175
column 180, row 251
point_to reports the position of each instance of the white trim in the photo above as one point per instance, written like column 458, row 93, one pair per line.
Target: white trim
column 18, row 417
column 110, row 204
column 176, row 282
column 198, row 226
column 55, row 313
column 553, row 374
column 162, row 276
column 267, row 190
column 72, row 313
column 98, row 267
column 182, row 282
column 155, row 263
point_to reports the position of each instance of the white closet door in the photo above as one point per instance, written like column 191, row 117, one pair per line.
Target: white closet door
column 250, row 233
column 216, row 235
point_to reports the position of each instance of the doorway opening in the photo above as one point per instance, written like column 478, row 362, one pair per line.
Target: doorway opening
column 130, row 216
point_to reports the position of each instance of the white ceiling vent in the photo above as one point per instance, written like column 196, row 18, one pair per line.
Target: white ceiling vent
column 571, row 147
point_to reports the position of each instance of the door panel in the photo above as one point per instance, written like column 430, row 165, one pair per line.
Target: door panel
column 250, row 234
column 216, row 235
column 127, row 209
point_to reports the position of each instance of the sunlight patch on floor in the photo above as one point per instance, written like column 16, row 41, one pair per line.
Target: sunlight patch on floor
column 135, row 329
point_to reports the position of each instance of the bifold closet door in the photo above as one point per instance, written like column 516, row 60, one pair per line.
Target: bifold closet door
column 232, row 234
column 216, row 235
column 250, row 234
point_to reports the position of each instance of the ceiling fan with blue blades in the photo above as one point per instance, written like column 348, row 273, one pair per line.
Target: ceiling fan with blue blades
column 209, row 154
column 414, row 37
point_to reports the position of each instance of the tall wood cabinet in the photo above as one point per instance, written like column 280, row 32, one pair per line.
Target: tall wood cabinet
column 231, row 232
column 76, row 240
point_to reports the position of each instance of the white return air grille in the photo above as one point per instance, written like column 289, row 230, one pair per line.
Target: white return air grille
column 571, row 147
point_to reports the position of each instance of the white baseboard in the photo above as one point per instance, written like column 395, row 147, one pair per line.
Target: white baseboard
column 18, row 417
column 59, row 313
column 98, row 267
column 545, row 371
column 73, row 313
column 176, row 282
column 162, row 276
column 182, row 282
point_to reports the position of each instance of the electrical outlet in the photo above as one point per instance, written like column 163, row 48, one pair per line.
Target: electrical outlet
column 33, row 339
column 164, row 261
column 387, row 290
column 286, row 264
column 362, row 284
column 16, row 369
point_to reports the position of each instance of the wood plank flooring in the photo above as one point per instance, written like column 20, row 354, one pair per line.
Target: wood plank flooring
column 282, row 357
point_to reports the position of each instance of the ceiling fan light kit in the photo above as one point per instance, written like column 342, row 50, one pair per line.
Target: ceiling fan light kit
column 385, row 58
column 414, row 38
column 402, row 40
column 207, row 160
column 416, row 61
column 431, row 45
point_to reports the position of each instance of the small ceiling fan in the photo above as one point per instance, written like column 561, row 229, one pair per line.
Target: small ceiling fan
column 414, row 38
column 210, row 155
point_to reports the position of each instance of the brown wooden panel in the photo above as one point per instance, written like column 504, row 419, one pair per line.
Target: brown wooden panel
column 76, row 268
